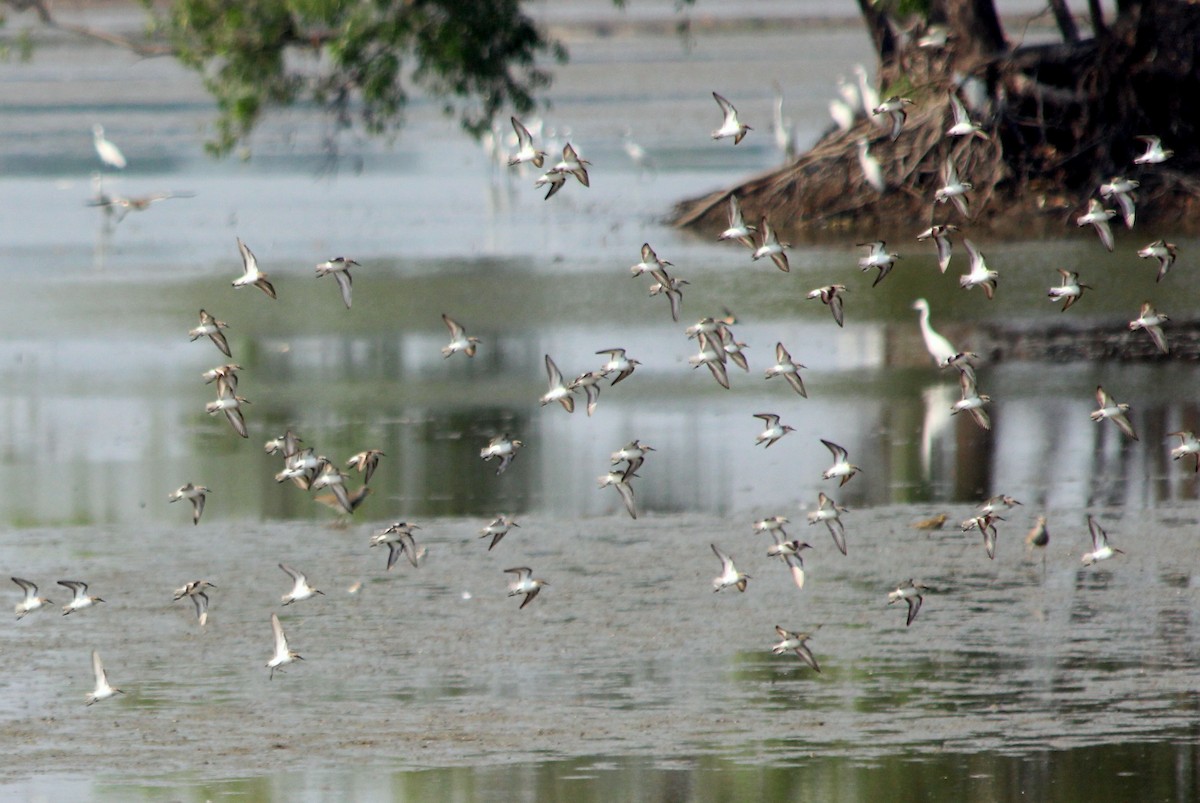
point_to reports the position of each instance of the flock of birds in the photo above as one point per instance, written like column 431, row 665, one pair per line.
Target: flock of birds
column 718, row 346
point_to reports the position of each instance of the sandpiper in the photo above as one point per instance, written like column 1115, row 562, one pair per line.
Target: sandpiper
column 1100, row 548
column 31, row 601
column 524, row 584
column 589, row 382
column 81, row 599
column 772, row 525
column 730, row 126
column 620, row 480
column 841, row 467
column 1121, row 189
column 1188, row 445
column 789, row 553
column 1154, row 153
column 226, row 377
column 877, row 258
column 635, row 450
column 994, row 503
column 738, row 229
column 525, row 150
column 972, row 401
column 497, row 528
column 283, row 655
column 649, row 262
column 553, row 180
column 932, row 523
column 109, row 153
column 194, row 494
column 251, row 275
column 912, row 593
column 712, row 354
column 831, row 296
column 365, row 462
column 986, row 524
column 398, row 538
column 1070, row 288
column 1098, row 216
column 829, row 511
column 770, row 246
column 953, row 189
column 1110, row 409
column 618, row 364
column 212, row 327
column 195, row 590
column 300, row 587
column 773, row 430
column 458, row 339
column 941, row 238
column 733, row 348
column 1038, row 537
column 231, row 406
column 669, row 286
column 788, row 368
column 729, row 575
column 334, row 479
column 963, row 124
column 103, row 689
column 573, row 165
column 340, row 268
column 558, row 389
column 1164, row 252
column 502, row 446
column 979, row 275
column 797, row 643
column 286, row 444
column 893, row 107
column 1151, row 321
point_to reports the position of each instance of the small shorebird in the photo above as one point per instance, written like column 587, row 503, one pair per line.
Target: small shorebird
column 789, row 553
column 1070, row 289
column 963, row 125
column 458, row 339
column 286, row 444
column 941, row 349
column 979, row 275
column 773, row 430
column 911, row 592
column 1164, row 252
column 733, row 348
column 1121, row 189
column 103, row 689
column 109, row 153
column 195, row 590
column 831, row 296
column 589, row 383
column 31, row 601
column 81, row 599
column 972, row 401
column 501, row 446
column 365, row 462
column 932, row 523
column 986, row 524
column 635, row 450
column 772, row 525
column 334, row 479
column 1039, row 537
column 770, row 246
column 554, row 180
column 730, row 126
column 829, row 511
column 232, row 407
column 618, row 364
column 140, row 203
column 841, row 467
column 525, row 150
column 669, row 286
column 398, row 538
column 194, row 494
column 497, row 529
column 953, row 189
column 1151, row 321
column 212, row 327
column 941, row 238
column 788, row 368
column 571, row 164
column 1188, row 445
column 893, row 107
column 1100, row 548
column 797, row 643
column 994, row 503
column 558, row 390
column 524, row 584
column 251, row 275
column 283, row 655
column 877, row 258
column 1110, row 409
column 300, row 587
column 226, row 377
column 1098, row 216
column 1154, row 153
column 650, row 261
column 340, row 268
column 729, row 575
column 620, row 480
column 738, row 228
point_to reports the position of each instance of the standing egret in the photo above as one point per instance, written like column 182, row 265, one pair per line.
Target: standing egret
column 941, row 349
column 109, row 153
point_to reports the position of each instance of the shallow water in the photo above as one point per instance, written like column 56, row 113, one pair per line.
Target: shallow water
column 627, row 678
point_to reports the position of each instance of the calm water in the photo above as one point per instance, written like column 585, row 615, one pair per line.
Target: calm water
column 611, row 677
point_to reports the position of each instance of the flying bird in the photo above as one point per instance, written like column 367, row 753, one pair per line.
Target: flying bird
column 730, row 126
column 340, row 268
column 251, row 275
